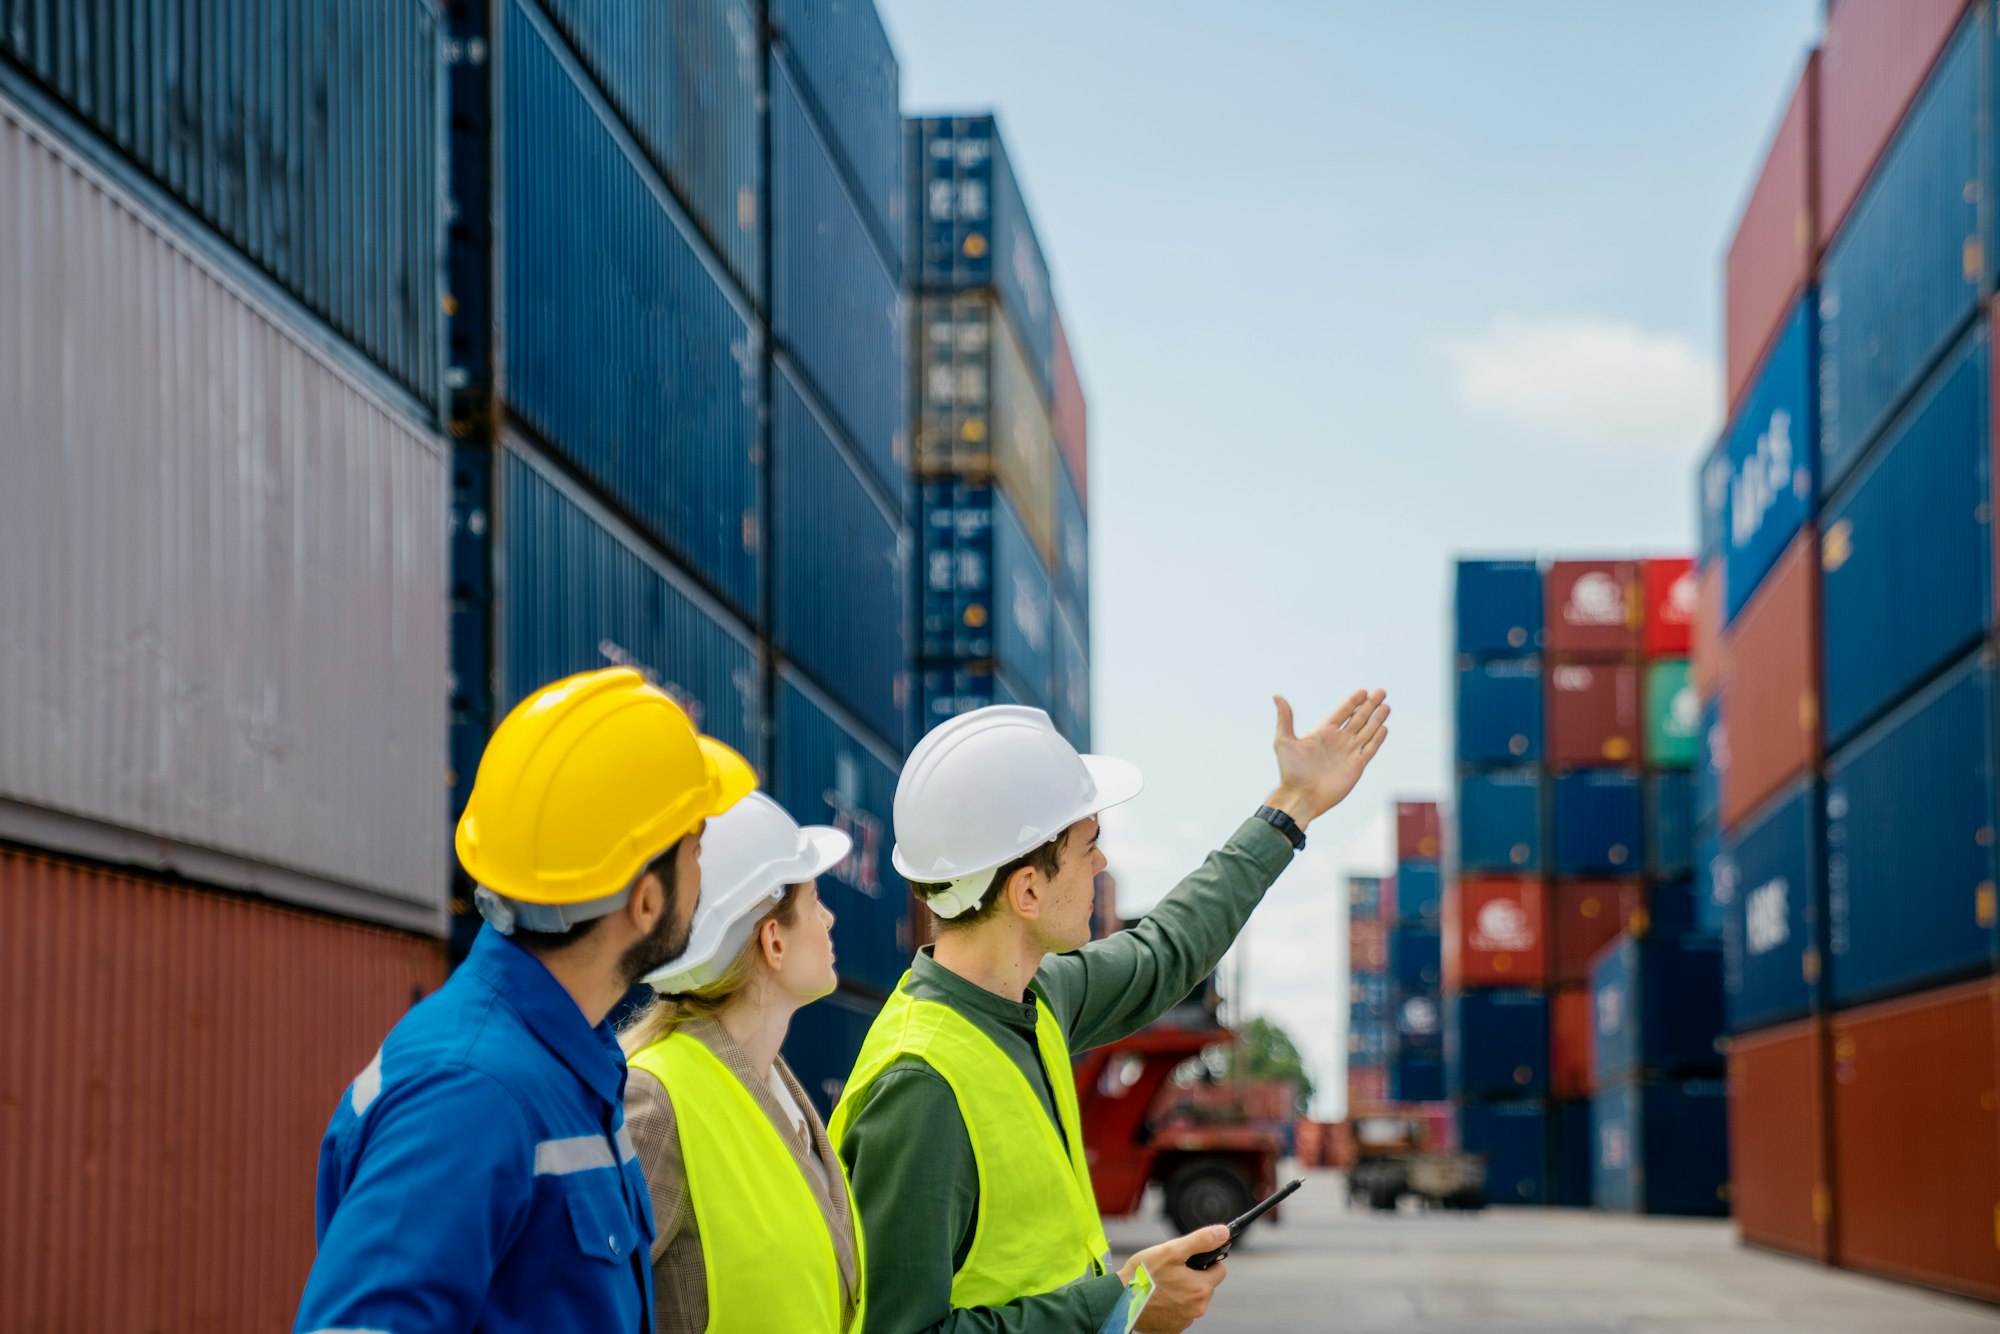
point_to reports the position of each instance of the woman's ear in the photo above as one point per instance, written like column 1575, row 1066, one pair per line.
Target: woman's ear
column 771, row 940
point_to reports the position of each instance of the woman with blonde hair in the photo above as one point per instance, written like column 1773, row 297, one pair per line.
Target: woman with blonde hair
column 753, row 1225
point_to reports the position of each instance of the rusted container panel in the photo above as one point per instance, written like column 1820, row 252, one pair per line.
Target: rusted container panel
column 1872, row 61
column 1591, row 608
column 1779, row 1138
column 1587, row 915
column 222, row 566
column 1916, row 1139
column 169, row 1060
column 1572, row 1043
column 1771, row 657
column 1593, row 715
column 1496, row 933
column 1670, row 595
column 1417, row 831
column 1770, row 256
column 1705, row 670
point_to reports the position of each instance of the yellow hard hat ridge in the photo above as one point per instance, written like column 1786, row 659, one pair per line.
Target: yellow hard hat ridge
column 584, row 783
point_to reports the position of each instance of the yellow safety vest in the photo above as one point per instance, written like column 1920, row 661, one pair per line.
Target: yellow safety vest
column 1038, row 1227
column 769, row 1257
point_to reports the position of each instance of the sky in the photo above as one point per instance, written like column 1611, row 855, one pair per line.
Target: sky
column 1356, row 287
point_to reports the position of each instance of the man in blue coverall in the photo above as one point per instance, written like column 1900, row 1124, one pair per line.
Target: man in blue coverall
column 477, row 1175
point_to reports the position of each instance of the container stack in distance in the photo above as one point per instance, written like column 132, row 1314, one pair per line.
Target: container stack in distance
column 1000, row 443
column 1370, row 1022
column 1410, row 912
column 1847, row 572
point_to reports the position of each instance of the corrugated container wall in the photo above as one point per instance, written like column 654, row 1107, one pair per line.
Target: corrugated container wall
column 1500, row 821
column 1773, row 699
column 1592, row 608
column 1779, row 1133
column 222, row 551
column 842, row 57
column 1071, row 687
column 1768, row 878
column 1770, row 446
column 1498, row 608
column 1071, row 566
column 625, row 348
column 1872, row 61
column 1671, row 592
column 986, row 594
column 1072, row 414
column 1499, row 712
column 1907, row 269
column 310, row 141
column 1496, row 932
column 1419, row 831
column 169, row 1063
column 835, row 302
column 1514, row 1138
column 840, row 564
column 683, row 77
column 1662, row 1147
column 1770, row 256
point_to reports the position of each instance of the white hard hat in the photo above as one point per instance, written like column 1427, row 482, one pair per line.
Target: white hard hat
column 748, row 855
column 990, row 786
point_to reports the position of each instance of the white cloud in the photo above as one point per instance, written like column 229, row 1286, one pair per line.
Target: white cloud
column 1602, row 384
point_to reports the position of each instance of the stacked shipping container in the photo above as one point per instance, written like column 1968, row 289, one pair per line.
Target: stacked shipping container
column 1847, row 521
column 1410, row 904
column 1370, row 1018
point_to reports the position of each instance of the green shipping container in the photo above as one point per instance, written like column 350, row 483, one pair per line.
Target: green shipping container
column 1673, row 716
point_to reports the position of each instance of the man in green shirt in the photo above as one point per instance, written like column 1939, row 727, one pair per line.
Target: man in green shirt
column 977, row 1218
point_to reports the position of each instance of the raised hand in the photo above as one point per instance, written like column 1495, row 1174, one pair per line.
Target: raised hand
column 1317, row 771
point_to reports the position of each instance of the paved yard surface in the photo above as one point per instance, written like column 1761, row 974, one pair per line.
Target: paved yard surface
column 1547, row 1271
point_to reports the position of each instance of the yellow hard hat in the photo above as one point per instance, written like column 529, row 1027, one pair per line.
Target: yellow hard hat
column 587, row 781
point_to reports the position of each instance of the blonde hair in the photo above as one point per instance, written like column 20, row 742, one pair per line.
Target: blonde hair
column 668, row 1012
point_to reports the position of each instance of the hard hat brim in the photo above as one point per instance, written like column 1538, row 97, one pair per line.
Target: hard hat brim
column 732, row 777
column 1117, row 781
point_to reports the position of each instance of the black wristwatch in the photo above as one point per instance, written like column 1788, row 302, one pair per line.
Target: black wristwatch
column 1285, row 825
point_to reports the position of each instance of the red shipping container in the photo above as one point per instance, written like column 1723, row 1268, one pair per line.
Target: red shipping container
column 1770, row 256
column 1367, row 946
column 1670, row 592
column 1367, row 1087
column 1072, row 416
column 1587, row 915
column 1417, row 831
column 1779, row 1139
column 1771, row 657
column 1916, row 1139
column 168, row 1062
column 1572, row 1043
column 1593, row 713
column 1705, row 669
column 1875, row 56
column 1496, row 933
column 1591, row 609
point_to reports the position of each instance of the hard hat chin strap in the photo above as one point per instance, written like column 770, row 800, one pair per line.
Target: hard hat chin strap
column 507, row 915
column 962, row 895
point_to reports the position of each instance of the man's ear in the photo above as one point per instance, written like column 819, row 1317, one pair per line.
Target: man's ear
column 647, row 904
column 1023, row 893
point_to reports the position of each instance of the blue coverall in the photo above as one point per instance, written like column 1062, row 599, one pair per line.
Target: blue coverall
column 478, row 1176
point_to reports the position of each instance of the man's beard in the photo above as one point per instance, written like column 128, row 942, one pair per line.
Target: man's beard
column 667, row 941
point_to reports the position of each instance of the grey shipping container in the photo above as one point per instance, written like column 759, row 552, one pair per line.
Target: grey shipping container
column 626, row 348
column 835, row 304
column 308, row 135
column 683, row 76
column 222, row 566
column 1071, row 562
column 841, row 570
column 1070, row 706
column 842, row 57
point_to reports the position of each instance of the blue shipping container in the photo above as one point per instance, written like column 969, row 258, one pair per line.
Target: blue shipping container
column 1714, row 886
column 683, row 77
column 1371, row 990
column 1070, row 705
column 1499, row 608
column 1072, row 568
column 1364, row 896
column 835, row 304
column 1419, row 1025
column 1657, row 1007
column 1415, row 959
column 971, row 228
column 1600, row 822
column 1369, row 1044
column 1573, row 1155
column 1419, row 888
column 950, row 691
column 1767, row 878
column 580, row 592
column 1906, row 269
column 1500, row 712
column 840, row 570
column 822, row 1043
column 1670, row 825
column 1671, row 911
column 1514, row 1138
column 1770, row 446
column 1907, row 551
column 985, row 591
column 1498, row 1044
column 1663, row 1147
column 308, row 135
column 1416, row 1079
column 1909, row 843
column 826, row 771
column 840, row 55
column 1500, row 821
column 1713, row 758
column 626, row 350
column 1711, row 503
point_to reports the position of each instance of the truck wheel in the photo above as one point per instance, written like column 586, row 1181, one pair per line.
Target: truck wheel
column 1383, row 1198
column 1200, row 1193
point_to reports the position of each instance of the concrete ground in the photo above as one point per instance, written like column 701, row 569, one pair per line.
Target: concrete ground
column 1549, row 1271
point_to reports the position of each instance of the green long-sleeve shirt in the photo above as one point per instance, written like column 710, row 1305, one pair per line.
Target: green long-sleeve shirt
column 907, row 1152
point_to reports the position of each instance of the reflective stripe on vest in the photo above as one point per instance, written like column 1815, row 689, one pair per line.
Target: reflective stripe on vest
column 765, row 1245
column 1037, row 1227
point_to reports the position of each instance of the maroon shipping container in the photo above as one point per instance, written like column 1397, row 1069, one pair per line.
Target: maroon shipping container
column 1770, row 256
column 1417, row 831
column 169, row 1060
column 1572, row 1043
column 1072, row 416
column 1705, row 669
column 1367, row 1087
column 1496, row 933
column 1780, row 1141
column 1916, row 1139
column 1669, row 593
column 1593, row 715
column 1367, row 946
column 1771, row 657
column 1873, row 59
column 1587, row 915
column 1591, row 609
